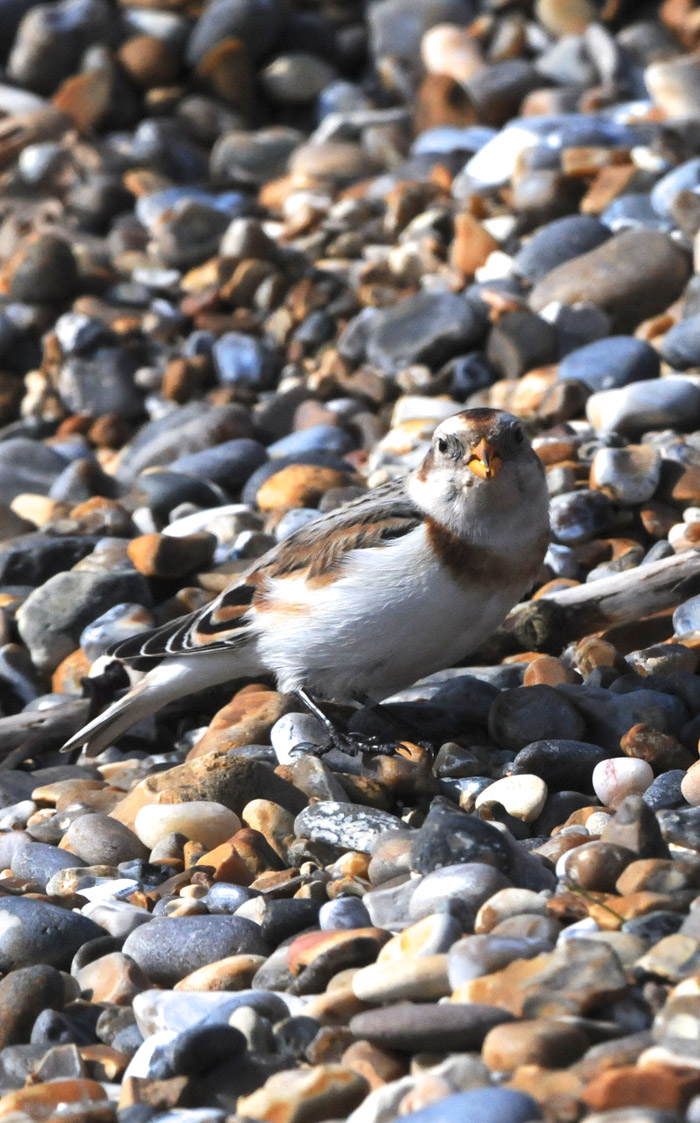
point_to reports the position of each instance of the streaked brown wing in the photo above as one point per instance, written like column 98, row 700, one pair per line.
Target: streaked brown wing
column 315, row 552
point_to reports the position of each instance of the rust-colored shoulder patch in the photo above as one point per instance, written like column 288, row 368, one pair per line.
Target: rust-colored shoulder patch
column 469, row 563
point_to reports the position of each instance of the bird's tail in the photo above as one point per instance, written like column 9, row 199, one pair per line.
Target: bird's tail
column 173, row 678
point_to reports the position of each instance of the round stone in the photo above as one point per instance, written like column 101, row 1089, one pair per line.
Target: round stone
column 619, row 777
column 608, row 363
column 627, row 475
column 208, row 822
column 522, row 796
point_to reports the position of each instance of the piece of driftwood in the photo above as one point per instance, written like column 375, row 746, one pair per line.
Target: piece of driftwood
column 30, row 731
column 549, row 623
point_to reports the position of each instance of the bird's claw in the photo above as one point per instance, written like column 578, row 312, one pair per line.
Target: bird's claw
column 352, row 744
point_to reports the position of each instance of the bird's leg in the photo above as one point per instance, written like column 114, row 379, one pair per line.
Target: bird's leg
column 350, row 743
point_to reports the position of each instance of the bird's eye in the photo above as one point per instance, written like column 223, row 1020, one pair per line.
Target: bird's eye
column 518, row 434
column 442, row 445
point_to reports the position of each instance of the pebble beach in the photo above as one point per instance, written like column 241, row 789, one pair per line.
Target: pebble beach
column 252, row 253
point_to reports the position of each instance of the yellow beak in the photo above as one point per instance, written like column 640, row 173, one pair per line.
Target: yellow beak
column 485, row 460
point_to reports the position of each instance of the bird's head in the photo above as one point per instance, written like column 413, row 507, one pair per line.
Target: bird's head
column 479, row 460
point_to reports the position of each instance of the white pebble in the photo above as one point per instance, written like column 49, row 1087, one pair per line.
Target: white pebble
column 621, row 776
column 522, row 796
column 293, row 730
column 597, row 822
column 207, row 822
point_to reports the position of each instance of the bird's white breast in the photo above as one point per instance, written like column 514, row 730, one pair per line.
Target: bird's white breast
column 393, row 616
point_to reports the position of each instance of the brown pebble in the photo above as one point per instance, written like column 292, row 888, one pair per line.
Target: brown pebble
column 471, row 246
column 114, row 978
column 661, row 750
column 299, row 485
column 234, row 973
column 596, row 866
column 545, row 1042
column 149, row 61
column 629, row 1086
column 378, row 1066
column 659, row 875
column 246, row 720
column 548, row 670
column 164, row 555
column 40, row 1101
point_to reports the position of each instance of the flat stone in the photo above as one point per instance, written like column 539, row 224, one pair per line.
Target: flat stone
column 634, row 409
column 345, row 824
column 169, row 948
column 412, row 1029
column 568, row 980
column 35, row 932
column 632, row 276
column 426, row 328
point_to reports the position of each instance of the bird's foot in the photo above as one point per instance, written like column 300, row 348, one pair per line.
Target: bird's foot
column 351, row 744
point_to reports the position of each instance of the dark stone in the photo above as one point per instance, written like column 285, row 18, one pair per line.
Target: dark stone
column 33, row 558
column 228, row 465
column 38, row 862
column 36, row 932
column 413, row 1028
column 557, row 242
column 449, row 836
column 680, row 346
column 23, row 995
column 168, row 948
column 608, row 363
column 425, row 328
column 521, row 341
column 203, row 1047
column 562, row 764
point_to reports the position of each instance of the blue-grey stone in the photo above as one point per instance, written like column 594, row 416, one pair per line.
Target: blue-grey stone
column 686, row 177
column 494, row 164
column 633, row 212
column 317, row 438
column 429, row 327
column 686, row 617
column 608, row 363
column 77, row 332
column 229, row 464
column 102, row 383
column 343, row 912
column 680, row 346
column 168, row 948
column 260, row 24
column 487, row 1105
column 447, row 139
column 470, row 373
column 38, row 862
column 225, row 898
column 665, row 790
column 557, row 242
column 27, row 466
column 33, row 931
column 181, row 431
column 293, row 520
column 562, row 764
column 32, row 558
column 242, row 360
column 54, row 615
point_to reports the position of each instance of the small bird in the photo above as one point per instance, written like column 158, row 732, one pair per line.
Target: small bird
column 363, row 601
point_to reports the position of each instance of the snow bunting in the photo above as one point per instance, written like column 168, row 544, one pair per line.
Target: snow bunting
column 365, row 600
